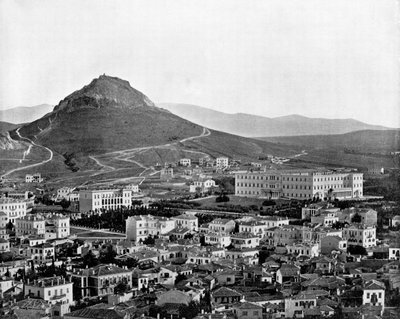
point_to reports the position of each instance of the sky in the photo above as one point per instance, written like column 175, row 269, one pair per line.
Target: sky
column 317, row 58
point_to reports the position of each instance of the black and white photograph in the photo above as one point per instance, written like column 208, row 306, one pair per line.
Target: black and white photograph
column 199, row 159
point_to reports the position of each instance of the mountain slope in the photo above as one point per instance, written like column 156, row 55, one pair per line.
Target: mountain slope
column 109, row 115
column 361, row 141
column 254, row 126
column 25, row 114
column 5, row 126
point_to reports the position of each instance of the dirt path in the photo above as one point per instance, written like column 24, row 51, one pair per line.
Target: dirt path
column 127, row 154
column 32, row 143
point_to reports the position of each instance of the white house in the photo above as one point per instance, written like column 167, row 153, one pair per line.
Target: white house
column 219, row 225
column 304, row 249
column 185, row 162
column 374, row 294
column 202, row 185
column 360, row 235
column 140, row 227
column 218, row 239
column 14, row 208
column 52, row 289
column 35, row 178
column 188, row 221
column 222, row 162
column 245, row 240
column 4, row 245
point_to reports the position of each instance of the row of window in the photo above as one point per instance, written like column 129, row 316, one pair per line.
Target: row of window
column 2, row 207
column 298, row 179
column 259, row 177
column 112, row 195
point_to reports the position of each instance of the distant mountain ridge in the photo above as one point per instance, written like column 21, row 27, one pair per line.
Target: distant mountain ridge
column 24, row 114
column 5, row 126
column 255, row 126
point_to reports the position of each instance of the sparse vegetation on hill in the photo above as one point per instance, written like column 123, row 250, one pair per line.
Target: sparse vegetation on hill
column 107, row 115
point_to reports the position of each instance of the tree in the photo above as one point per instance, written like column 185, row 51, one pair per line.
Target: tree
column 188, row 236
column 46, row 199
column 205, row 302
column 179, row 278
column 90, row 260
column 190, row 311
column 120, row 288
column 269, row 202
column 65, row 203
column 107, row 255
column 137, row 202
column 357, row 250
column 222, row 198
column 149, row 240
column 356, row 218
column 10, row 225
column 129, row 263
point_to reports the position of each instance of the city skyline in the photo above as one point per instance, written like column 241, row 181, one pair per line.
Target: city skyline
column 264, row 58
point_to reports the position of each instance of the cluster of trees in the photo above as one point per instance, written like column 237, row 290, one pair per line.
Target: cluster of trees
column 357, row 250
column 269, row 202
column 107, row 256
column 177, row 204
column 222, row 198
column 226, row 184
column 42, row 271
column 115, row 219
column 185, row 311
column 69, row 160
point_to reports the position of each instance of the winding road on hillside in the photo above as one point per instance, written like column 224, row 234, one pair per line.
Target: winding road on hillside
column 127, row 154
column 32, row 143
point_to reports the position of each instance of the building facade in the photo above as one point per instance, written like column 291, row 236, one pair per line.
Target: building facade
column 14, row 208
column 104, row 199
column 360, row 235
column 222, row 162
column 185, row 162
column 138, row 228
column 30, row 225
column 99, row 280
column 52, row 290
column 299, row 184
column 188, row 221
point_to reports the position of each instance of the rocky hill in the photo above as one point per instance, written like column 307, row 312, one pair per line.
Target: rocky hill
column 7, row 143
column 107, row 115
column 109, row 130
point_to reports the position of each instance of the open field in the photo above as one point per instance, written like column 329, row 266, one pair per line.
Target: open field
column 337, row 158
